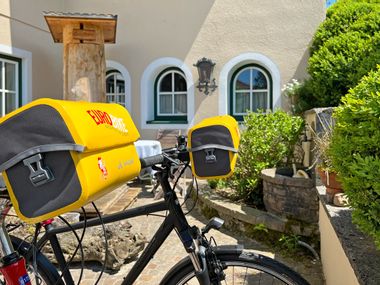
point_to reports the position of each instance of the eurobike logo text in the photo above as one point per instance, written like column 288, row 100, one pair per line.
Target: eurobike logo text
column 103, row 118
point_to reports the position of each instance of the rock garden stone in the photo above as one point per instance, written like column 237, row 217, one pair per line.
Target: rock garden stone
column 340, row 200
column 123, row 245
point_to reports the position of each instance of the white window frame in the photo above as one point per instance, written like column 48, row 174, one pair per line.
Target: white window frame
column 244, row 59
column 115, row 73
column 26, row 69
column 111, row 64
column 173, row 93
column 147, row 92
column 251, row 91
column 4, row 92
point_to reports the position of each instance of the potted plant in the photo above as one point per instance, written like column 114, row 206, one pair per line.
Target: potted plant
column 323, row 162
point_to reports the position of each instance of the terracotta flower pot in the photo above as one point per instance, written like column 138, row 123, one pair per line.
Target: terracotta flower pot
column 333, row 186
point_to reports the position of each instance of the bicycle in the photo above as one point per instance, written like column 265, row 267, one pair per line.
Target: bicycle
column 206, row 263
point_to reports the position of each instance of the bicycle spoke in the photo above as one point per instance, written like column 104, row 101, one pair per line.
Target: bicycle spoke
column 245, row 277
column 233, row 274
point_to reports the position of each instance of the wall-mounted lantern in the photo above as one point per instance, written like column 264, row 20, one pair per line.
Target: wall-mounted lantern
column 205, row 68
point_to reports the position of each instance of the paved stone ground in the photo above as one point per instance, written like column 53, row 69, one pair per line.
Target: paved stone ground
column 172, row 251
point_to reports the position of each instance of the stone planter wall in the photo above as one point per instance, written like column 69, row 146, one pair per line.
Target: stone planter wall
column 292, row 198
column 348, row 255
column 244, row 218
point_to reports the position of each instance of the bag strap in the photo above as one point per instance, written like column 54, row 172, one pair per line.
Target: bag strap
column 39, row 149
column 217, row 146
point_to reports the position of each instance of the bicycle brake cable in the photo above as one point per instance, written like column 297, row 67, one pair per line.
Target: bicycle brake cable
column 34, row 251
column 212, row 239
column 82, row 256
column 187, row 195
column 180, row 174
column 105, row 243
column 196, row 198
column 79, row 246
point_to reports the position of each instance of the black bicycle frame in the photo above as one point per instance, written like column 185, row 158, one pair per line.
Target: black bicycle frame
column 174, row 220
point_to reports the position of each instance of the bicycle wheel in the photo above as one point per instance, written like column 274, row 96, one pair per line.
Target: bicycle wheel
column 46, row 273
column 242, row 267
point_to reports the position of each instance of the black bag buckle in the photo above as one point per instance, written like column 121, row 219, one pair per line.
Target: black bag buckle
column 210, row 156
column 39, row 175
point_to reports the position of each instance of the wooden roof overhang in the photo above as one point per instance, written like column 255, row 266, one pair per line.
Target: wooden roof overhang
column 84, row 21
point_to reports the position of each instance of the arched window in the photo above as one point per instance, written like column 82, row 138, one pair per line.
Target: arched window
column 170, row 98
column 115, row 87
column 251, row 90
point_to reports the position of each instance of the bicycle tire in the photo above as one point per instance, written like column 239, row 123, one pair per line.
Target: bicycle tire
column 255, row 267
column 46, row 271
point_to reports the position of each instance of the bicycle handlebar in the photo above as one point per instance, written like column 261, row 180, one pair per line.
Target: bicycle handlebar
column 168, row 155
column 151, row 160
column 178, row 152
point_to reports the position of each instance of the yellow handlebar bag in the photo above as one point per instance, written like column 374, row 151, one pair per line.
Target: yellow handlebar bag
column 57, row 156
column 213, row 146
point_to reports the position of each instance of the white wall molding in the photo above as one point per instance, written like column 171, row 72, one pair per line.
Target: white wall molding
column 26, row 70
column 238, row 61
column 147, row 92
column 111, row 64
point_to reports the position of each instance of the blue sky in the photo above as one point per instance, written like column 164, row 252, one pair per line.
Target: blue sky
column 330, row 2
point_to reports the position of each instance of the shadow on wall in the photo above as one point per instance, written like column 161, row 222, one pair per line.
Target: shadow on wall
column 301, row 71
column 145, row 30
column 29, row 32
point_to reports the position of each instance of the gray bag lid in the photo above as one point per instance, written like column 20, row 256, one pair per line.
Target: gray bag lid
column 35, row 130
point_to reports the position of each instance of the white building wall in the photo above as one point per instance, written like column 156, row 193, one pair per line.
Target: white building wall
column 276, row 32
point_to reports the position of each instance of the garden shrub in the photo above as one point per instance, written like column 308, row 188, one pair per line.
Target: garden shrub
column 267, row 141
column 355, row 152
column 304, row 98
column 341, row 18
column 345, row 48
column 340, row 64
column 217, row 183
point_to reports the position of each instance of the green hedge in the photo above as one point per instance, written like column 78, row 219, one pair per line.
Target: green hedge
column 267, row 141
column 355, row 152
column 341, row 63
column 340, row 18
column 345, row 48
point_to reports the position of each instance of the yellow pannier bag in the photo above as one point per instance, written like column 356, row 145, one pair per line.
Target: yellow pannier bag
column 57, row 156
column 213, row 146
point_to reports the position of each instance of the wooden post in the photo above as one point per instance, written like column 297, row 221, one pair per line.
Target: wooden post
column 84, row 66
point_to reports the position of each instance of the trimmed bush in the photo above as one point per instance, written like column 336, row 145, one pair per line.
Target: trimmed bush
column 355, row 152
column 340, row 64
column 268, row 141
column 345, row 48
column 342, row 18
